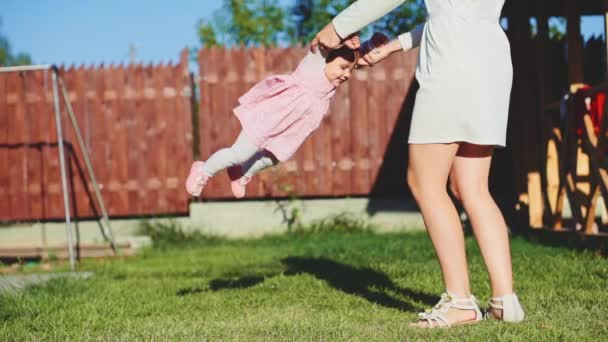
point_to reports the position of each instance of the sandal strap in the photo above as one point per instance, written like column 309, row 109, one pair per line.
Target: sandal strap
column 449, row 301
column 434, row 317
column 509, row 304
column 454, row 301
column 496, row 305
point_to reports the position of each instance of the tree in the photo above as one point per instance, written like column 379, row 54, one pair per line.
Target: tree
column 557, row 28
column 402, row 19
column 240, row 22
column 257, row 22
column 6, row 56
column 309, row 16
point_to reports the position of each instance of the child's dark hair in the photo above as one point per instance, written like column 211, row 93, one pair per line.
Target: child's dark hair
column 344, row 52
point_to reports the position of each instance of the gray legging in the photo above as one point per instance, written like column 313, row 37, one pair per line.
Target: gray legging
column 251, row 158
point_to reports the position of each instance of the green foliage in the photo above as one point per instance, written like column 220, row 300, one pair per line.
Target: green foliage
column 402, row 19
column 557, row 28
column 257, row 23
column 7, row 58
column 240, row 22
column 308, row 17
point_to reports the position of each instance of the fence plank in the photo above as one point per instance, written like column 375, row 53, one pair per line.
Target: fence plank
column 34, row 189
column 185, row 130
column 17, row 136
column 359, row 134
column 141, row 149
column 5, row 214
column 340, row 122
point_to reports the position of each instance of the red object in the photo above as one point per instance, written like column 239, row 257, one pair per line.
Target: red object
column 595, row 109
column 598, row 104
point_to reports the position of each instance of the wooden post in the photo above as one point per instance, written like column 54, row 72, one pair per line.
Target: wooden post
column 575, row 44
column 524, row 115
column 549, row 134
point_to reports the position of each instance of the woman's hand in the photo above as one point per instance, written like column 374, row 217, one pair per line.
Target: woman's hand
column 329, row 39
column 378, row 54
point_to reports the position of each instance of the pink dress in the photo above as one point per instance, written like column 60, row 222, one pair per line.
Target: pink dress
column 281, row 111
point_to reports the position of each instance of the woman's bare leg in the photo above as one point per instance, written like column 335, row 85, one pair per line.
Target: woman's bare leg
column 469, row 182
column 428, row 171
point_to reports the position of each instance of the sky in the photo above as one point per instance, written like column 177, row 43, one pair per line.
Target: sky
column 96, row 31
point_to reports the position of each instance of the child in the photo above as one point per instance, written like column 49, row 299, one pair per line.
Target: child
column 277, row 115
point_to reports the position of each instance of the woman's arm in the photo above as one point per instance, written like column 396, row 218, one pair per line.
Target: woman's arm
column 350, row 21
column 362, row 13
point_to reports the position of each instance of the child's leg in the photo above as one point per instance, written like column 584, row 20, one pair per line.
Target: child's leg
column 240, row 152
column 262, row 160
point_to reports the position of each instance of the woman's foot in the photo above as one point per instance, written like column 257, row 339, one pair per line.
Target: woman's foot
column 238, row 181
column 197, row 179
column 451, row 310
column 506, row 308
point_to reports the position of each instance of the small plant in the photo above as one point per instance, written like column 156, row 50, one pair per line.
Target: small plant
column 292, row 214
column 341, row 223
column 52, row 256
column 170, row 233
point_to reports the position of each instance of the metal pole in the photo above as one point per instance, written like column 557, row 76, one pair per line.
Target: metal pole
column 105, row 220
column 26, row 68
column 64, row 180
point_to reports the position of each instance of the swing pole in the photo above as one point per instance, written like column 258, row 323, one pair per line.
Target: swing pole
column 26, row 68
column 64, row 183
column 105, row 221
column 58, row 86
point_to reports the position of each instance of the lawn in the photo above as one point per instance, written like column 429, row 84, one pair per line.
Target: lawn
column 334, row 284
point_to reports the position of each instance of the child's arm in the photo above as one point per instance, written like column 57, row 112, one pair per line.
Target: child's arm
column 404, row 42
column 410, row 40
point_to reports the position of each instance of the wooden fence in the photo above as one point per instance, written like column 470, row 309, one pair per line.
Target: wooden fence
column 368, row 119
column 136, row 123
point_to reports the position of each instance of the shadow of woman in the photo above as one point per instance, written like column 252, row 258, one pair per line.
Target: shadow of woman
column 374, row 286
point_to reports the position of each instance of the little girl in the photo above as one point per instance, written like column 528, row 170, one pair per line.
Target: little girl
column 277, row 115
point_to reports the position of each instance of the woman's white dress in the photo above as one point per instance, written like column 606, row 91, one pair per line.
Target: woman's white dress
column 464, row 71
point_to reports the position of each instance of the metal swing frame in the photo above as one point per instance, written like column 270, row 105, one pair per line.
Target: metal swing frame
column 59, row 86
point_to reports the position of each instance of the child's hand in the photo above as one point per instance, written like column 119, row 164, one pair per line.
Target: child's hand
column 379, row 39
column 353, row 41
column 376, row 49
column 374, row 56
column 371, row 48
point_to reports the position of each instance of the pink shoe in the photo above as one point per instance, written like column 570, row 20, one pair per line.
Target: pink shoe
column 238, row 181
column 196, row 179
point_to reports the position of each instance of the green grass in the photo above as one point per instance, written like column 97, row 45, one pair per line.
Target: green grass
column 331, row 284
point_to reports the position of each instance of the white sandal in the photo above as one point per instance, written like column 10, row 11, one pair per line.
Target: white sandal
column 436, row 317
column 511, row 309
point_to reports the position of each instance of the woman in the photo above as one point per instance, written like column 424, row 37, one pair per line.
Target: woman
column 460, row 115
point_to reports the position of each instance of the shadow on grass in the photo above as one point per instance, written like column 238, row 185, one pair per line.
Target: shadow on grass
column 567, row 239
column 374, row 286
column 365, row 282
